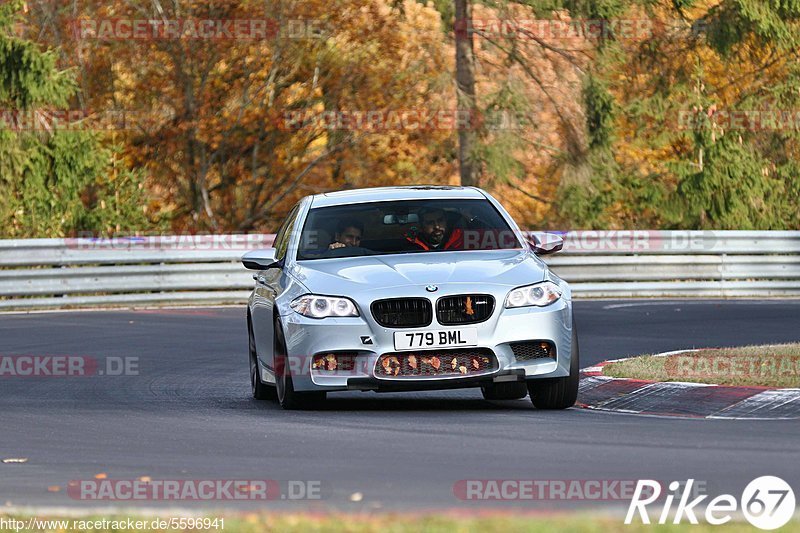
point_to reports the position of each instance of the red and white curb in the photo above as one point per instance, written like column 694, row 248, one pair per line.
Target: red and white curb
column 679, row 399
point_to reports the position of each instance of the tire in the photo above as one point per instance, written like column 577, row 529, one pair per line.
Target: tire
column 504, row 391
column 287, row 397
column 558, row 393
column 260, row 390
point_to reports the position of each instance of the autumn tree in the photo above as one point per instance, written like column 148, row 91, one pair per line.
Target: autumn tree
column 215, row 121
column 696, row 122
column 59, row 177
column 570, row 131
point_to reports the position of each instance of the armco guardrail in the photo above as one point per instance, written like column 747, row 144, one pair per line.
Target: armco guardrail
column 47, row 273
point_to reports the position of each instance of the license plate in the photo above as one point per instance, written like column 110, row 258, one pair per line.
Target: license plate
column 446, row 338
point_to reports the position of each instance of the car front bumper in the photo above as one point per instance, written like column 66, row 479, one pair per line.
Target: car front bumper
column 306, row 338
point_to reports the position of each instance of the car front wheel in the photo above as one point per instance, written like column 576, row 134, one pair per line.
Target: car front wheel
column 558, row 393
column 287, row 396
column 260, row 390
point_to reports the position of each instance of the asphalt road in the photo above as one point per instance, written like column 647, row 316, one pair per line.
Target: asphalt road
column 188, row 415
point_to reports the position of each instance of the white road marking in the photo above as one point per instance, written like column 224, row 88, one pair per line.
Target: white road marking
column 653, row 303
column 761, row 404
column 123, row 308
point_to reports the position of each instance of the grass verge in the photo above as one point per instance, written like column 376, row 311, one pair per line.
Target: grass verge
column 381, row 523
column 775, row 365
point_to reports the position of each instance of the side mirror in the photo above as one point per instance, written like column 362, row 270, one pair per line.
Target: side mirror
column 545, row 243
column 260, row 259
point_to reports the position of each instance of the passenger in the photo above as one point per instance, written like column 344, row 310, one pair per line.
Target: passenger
column 434, row 232
column 348, row 234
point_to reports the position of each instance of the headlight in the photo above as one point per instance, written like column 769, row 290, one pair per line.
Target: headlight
column 314, row 306
column 539, row 295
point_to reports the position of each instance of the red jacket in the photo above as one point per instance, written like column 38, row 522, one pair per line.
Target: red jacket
column 456, row 241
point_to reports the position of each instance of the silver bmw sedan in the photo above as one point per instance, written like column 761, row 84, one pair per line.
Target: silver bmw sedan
column 409, row 289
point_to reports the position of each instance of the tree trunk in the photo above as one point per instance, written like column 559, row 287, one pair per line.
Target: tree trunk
column 469, row 168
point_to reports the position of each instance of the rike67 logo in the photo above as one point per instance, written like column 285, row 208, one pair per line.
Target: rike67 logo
column 767, row 503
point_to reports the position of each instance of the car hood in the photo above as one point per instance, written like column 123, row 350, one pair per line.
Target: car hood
column 511, row 268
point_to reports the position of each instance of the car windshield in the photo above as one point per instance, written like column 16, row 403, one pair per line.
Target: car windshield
column 407, row 226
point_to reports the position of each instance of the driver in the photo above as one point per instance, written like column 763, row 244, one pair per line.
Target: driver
column 433, row 233
column 348, row 234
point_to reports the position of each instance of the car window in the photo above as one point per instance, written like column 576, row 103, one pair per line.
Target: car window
column 284, row 235
column 405, row 226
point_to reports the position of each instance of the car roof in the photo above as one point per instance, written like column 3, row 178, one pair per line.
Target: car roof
column 383, row 194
